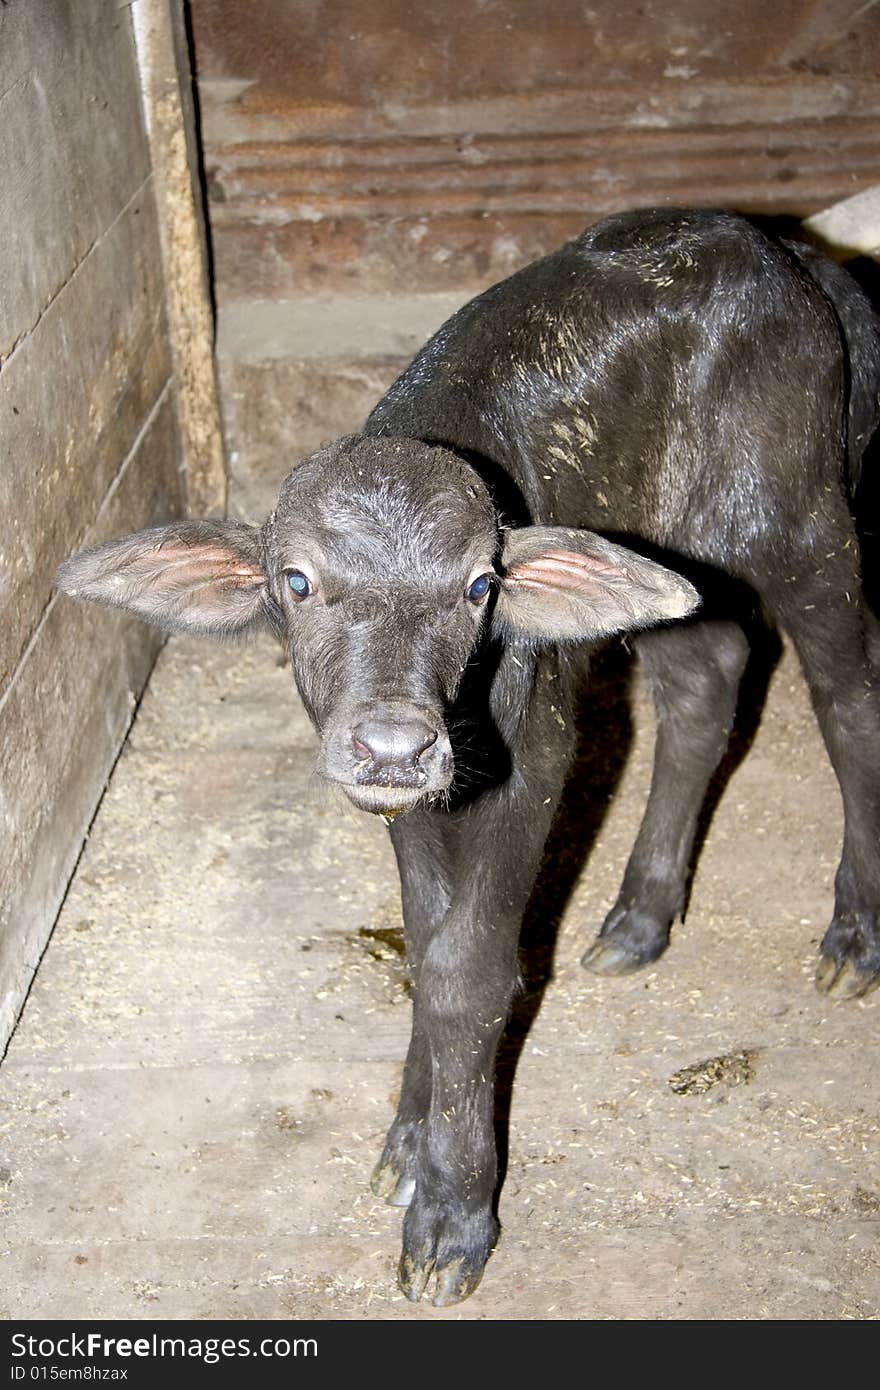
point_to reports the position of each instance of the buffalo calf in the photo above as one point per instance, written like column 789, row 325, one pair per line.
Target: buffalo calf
column 655, row 429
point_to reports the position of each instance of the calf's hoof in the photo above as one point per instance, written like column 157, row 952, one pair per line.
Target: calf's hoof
column 444, row 1253
column 849, row 963
column 453, row 1283
column 387, row 1181
column 628, row 940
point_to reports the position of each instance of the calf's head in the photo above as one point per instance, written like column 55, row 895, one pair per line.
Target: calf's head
column 381, row 567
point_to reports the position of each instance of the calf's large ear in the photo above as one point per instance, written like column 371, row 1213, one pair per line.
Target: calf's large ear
column 565, row 585
column 198, row 576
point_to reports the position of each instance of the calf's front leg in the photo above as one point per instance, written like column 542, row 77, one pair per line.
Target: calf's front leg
column 422, row 859
column 466, row 880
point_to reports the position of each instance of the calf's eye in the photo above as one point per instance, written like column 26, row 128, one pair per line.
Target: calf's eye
column 299, row 583
column 479, row 588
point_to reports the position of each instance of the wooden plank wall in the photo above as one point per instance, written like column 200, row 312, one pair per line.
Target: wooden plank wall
column 88, row 434
column 397, row 147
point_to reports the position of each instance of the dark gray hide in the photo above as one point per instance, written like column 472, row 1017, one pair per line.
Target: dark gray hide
column 689, row 388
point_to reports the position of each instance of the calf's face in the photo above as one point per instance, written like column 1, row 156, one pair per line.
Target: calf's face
column 381, row 567
column 381, row 559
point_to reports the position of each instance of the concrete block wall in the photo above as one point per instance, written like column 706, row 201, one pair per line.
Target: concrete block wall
column 296, row 373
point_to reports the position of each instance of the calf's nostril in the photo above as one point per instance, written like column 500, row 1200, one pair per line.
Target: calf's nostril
column 427, row 742
column 392, row 745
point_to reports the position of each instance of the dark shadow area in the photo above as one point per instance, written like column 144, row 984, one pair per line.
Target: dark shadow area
column 604, row 740
column 482, row 758
column 766, row 650
column 605, row 732
column 868, row 521
column 867, row 499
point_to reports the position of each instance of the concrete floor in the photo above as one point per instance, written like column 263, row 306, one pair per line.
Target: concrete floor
column 203, row 1074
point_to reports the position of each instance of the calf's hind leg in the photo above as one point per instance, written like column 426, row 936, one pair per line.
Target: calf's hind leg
column 695, row 671
column 835, row 635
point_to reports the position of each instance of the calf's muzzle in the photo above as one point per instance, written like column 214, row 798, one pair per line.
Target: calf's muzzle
column 393, row 748
column 388, row 755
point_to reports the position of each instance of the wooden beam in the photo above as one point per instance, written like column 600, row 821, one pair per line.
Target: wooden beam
column 166, row 83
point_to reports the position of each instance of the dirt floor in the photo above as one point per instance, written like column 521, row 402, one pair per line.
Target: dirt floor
column 202, row 1077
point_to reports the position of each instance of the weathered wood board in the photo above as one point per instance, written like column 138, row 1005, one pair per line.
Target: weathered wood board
column 355, row 148
column 88, row 434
